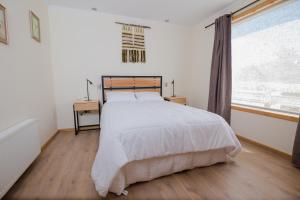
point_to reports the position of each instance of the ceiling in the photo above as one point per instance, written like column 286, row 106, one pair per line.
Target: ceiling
column 184, row 12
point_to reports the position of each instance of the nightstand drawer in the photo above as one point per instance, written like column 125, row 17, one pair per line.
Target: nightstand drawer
column 86, row 105
column 177, row 99
column 180, row 101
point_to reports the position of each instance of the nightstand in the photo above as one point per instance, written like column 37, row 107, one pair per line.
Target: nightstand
column 176, row 99
column 85, row 106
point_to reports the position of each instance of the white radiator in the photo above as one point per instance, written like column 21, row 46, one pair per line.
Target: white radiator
column 19, row 146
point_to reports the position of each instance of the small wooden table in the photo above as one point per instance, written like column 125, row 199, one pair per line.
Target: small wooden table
column 176, row 99
column 84, row 106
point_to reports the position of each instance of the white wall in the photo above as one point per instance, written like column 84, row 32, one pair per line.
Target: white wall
column 26, row 83
column 275, row 133
column 87, row 44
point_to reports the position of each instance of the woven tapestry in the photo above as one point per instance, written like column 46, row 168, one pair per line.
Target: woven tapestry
column 133, row 44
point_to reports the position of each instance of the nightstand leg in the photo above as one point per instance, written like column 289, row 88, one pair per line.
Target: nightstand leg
column 77, row 128
column 99, row 114
column 74, row 115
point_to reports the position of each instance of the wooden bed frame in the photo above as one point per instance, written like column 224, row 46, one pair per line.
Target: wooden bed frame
column 131, row 84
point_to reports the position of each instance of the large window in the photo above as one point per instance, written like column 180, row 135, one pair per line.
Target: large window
column 266, row 59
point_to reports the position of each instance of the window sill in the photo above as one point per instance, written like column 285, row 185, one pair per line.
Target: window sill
column 264, row 112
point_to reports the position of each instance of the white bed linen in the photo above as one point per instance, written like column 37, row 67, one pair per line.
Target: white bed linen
column 133, row 131
column 149, row 169
column 120, row 96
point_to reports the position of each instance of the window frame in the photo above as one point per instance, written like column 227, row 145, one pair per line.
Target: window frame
column 257, row 8
column 266, row 112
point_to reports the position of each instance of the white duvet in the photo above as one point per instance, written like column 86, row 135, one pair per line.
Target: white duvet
column 140, row 130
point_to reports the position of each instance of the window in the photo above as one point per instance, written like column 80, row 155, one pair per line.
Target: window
column 266, row 59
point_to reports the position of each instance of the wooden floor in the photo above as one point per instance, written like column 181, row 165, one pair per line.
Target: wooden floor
column 63, row 169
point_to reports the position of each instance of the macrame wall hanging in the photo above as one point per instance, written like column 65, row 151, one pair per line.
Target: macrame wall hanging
column 133, row 44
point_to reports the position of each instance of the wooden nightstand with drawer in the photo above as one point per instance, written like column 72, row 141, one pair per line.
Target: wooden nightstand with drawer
column 176, row 99
column 85, row 106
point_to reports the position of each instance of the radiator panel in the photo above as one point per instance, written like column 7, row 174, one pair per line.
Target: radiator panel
column 19, row 147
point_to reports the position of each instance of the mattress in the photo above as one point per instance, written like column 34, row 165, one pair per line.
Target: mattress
column 137, row 131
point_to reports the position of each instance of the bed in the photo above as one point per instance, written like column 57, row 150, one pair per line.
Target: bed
column 144, row 140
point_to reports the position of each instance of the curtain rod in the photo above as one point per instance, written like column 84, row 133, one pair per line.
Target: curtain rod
column 246, row 6
column 141, row 26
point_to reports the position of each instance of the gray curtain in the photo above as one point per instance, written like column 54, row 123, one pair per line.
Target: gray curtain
column 219, row 101
column 296, row 150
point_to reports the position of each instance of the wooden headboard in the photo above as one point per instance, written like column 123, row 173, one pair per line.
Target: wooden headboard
column 131, row 84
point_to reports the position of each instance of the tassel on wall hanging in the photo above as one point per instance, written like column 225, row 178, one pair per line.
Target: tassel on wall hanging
column 133, row 44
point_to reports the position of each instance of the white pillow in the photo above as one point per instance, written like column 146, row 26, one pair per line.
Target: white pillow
column 120, row 96
column 148, row 96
